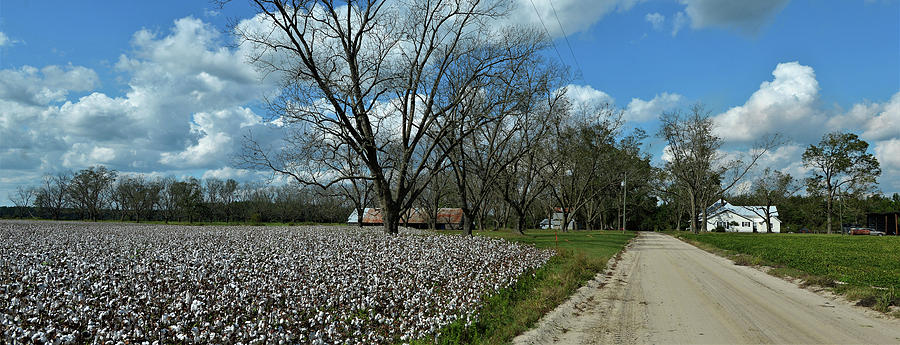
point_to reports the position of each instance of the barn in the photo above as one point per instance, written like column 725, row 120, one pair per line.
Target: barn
column 445, row 219
column 885, row 222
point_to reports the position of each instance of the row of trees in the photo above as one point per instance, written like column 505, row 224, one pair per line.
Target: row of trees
column 697, row 173
column 100, row 193
column 395, row 101
column 426, row 104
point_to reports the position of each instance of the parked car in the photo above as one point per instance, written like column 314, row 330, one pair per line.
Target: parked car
column 876, row 233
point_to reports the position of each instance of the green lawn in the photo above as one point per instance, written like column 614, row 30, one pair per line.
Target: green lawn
column 580, row 256
column 860, row 266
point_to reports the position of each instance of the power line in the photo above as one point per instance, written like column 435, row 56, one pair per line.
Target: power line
column 580, row 71
column 538, row 13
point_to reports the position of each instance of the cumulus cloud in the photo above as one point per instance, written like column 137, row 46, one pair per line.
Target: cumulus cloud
column 225, row 173
column 574, row 15
column 214, row 144
column 655, row 19
column 187, row 102
column 586, row 95
column 878, row 121
column 888, row 153
column 639, row 110
column 746, row 16
column 785, row 104
column 37, row 87
column 789, row 104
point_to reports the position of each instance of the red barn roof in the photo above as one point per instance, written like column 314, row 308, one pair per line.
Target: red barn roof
column 414, row 216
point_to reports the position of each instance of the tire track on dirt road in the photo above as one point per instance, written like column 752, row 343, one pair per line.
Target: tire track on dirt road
column 666, row 291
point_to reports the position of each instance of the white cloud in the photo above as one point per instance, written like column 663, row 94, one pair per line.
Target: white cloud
column 225, row 173
column 655, row 19
column 216, row 131
column 888, row 153
column 574, row 15
column 185, row 106
column 639, row 110
column 789, row 104
column 786, row 104
column 878, row 121
column 678, row 23
column 586, row 95
column 4, row 40
column 37, row 87
column 747, row 16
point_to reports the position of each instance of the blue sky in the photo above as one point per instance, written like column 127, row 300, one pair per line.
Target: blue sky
column 159, row 88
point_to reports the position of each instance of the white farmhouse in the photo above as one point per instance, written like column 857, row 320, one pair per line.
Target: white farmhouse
column 740, row 218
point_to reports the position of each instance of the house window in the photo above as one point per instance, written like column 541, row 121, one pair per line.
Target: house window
column 745, row 224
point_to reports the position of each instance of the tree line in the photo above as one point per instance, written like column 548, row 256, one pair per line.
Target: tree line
column 98, row 193
column 429, row 104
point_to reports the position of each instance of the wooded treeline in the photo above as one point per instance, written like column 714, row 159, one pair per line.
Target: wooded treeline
column 448, row 103
column 98, row 193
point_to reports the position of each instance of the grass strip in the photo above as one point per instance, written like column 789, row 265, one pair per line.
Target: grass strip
column 864, row 269
column 512, row 311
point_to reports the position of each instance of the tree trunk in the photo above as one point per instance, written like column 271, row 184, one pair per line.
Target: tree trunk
column 391, row 219
column 829, row 213
column 359, row 216
column 678, row 218
column 468, row 215
column 693, row 218
column 520, row 225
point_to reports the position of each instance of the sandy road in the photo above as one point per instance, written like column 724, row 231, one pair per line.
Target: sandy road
column 664, row 291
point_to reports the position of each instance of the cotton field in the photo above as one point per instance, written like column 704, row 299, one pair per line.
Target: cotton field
column 132, row 283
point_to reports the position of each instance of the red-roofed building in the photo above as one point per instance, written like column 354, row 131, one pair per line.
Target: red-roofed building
column 447, row 218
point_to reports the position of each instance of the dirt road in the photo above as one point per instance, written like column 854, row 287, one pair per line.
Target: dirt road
column 664, row 291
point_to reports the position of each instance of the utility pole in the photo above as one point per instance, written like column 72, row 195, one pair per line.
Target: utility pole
column 624, row 193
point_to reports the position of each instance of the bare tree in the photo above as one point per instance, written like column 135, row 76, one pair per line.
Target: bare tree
column 583, row 147
column 770, row 189
column 840, row 163
column 227, row 195
column 53, row 193
column 377, row 78
column 531, row 161
column 478, row 163
column 89, row 190
column 698, row 165
column 168, row 199
column 23, row 198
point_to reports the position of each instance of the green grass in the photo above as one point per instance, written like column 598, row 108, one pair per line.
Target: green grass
column 863, row 268
column 580, row 256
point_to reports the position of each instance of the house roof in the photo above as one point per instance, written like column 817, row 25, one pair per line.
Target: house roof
column 444, row 216
column 743, row 211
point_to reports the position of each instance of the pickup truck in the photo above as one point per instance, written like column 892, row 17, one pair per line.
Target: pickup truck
column 866, row 231
column 860, row 231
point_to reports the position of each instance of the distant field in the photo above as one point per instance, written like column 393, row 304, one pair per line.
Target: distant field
column 855, row 260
